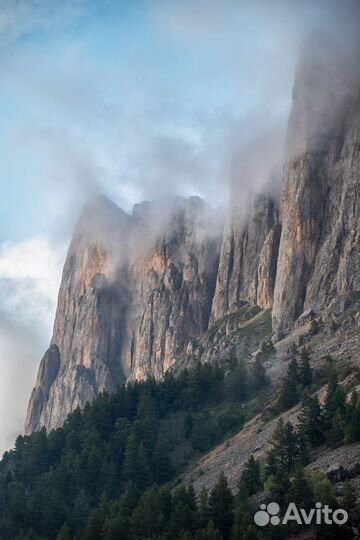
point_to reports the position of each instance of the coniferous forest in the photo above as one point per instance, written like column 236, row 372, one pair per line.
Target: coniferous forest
column 112, row 471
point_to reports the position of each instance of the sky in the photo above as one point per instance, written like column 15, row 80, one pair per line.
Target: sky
column 134, row 99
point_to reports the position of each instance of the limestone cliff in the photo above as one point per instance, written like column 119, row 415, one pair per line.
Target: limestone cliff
column 139, row 291
column 172, row 284
column 135, row 289
column 83, row 358
column 319, row 255
column 248, row 258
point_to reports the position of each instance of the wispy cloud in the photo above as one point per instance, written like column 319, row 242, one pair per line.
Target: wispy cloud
column 29, row 279
column 18, row 18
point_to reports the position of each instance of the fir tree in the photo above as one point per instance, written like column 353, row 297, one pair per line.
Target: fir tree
column 289, row 395
column 305, row 369
column 147, row 519
column 162, row 463
column 284, row 453
column 64, row 533
column 300, row 491
column 335, row 401
column 143, row 476
column 221, row 506
column 79, row 516
column 184, row 512
column 336, row 432
column 184, row 535
column 310, row 420
column 203, row 505
column 210, row 533
column 130, row 461
column 250, row 477
column 353, row 426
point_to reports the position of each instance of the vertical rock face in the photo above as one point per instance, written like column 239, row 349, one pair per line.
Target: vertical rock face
column 172, row 284
column 318, row 264
column 248, row 258
column 83, row 358
column 135, row 290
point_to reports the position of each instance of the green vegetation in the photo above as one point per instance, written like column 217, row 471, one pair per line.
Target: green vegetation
column 109, row 473
column 102, row 474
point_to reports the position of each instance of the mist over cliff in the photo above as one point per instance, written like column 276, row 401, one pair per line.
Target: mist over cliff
column 212, row 125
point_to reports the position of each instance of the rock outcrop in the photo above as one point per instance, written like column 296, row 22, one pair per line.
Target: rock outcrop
column 140, row 292
column 248, row 258
column 135, row 290
column 83, row 358
column 172, row 283
column 319, row 255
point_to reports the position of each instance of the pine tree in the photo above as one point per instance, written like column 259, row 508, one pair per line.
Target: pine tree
column 184, row 535
column 210, row 533
column 130, row 460
column 64, row 533
column 116, row 526
column 300, row 491
column 203, row 506
column 94, row 525
column 289, row 395
column 323, row 489
column 143, row 476
column 250, row 477
column 353, row 426
column 305, row 369
column 147, row 425
column 284, row 453
column 310, row 420
column 335, row 401
column 221, row 503
column 162, row 463
column 336, row 432
column 129, row 499
column 184, row 515
column 147, row 519
column 80, row 513
column 96, row 520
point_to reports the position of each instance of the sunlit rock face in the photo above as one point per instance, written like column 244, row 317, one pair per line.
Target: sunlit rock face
column 88, row 330
column 172, row 284
column 248, row 258
column 138, row 289
column 135, row 289
column 318, row 265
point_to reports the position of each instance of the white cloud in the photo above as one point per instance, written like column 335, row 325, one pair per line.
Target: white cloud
column 30, row 273
column 29, row 280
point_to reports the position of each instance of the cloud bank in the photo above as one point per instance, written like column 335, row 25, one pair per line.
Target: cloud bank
column 29, row 281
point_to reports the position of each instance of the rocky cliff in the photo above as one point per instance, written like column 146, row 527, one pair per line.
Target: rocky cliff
column 141, row 291
column 319, row 255
column 83, row 358
column 247, row 268
column 172, row 281
column 135, row 290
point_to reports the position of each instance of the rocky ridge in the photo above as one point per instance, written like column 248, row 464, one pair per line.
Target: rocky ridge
column 165, row 286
